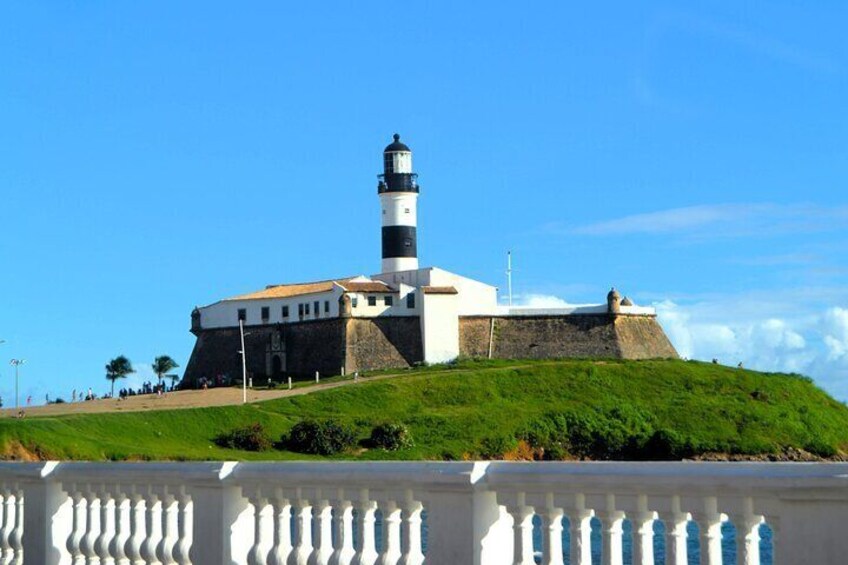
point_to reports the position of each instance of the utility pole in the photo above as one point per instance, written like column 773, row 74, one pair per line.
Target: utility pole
column 509, row 276
column 243, row 364
column 17, row 363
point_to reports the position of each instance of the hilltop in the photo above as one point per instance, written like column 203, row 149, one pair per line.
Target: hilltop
column 490, row 409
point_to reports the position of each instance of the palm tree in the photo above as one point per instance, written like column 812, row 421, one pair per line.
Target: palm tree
column 118, row 368
column 163, row 364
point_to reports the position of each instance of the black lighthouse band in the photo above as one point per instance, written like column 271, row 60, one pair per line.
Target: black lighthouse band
column 399, row 241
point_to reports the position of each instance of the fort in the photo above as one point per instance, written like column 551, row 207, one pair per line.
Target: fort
column 404, row 315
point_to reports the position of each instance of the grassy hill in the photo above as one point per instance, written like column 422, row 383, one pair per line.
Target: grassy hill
column 490, row 409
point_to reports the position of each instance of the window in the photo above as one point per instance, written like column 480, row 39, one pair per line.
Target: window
column 387, row 300
column 317, row 308
column 266, row 312
column 354, row 302
column 300, row 310
column 406, row 210
column 242, row 314
column 372, row 301
column 326, row 306
column 306, row 308
column 285, row 311
column 407, row 242
column 410, row 300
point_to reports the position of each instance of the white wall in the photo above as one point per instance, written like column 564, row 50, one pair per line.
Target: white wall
column 398, row 307
column 475, row 298
column 224, row 314
column 440, row 327
column 399, row 208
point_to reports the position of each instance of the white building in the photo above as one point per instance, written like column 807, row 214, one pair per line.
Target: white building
column 438, row 298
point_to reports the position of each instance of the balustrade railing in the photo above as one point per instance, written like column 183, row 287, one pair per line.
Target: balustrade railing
column 374, row 513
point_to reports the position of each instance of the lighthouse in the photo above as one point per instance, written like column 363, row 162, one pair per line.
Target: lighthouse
column 398, row 191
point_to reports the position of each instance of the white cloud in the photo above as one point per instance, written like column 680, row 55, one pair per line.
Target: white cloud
column 539, row 301
column 836, row 333
column 724, row 220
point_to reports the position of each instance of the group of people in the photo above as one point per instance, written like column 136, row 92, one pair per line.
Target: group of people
column 159, row 389
column 221, row 379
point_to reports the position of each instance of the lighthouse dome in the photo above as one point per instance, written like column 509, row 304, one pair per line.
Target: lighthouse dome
column 396, row 146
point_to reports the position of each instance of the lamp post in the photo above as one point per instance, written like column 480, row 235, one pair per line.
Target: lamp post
column 17, row 363
column 243, row 363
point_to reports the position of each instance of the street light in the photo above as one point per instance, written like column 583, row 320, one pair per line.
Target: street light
column 17, row 363
column 243, row 362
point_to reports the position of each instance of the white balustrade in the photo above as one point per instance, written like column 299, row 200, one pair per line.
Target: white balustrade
column 282, row 547
column 476, row 513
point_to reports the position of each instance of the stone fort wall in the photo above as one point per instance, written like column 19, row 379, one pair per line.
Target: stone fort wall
column 357, row 344
column 360, row 344
column 577, row 336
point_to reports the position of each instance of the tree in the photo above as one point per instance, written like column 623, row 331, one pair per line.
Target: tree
column 162, row 365
column 118, row 368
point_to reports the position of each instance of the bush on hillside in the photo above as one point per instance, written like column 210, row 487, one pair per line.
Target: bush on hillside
column 496, row 447
column 326, row 437
column 248, row 438
column 667, row 445
column 391, row 437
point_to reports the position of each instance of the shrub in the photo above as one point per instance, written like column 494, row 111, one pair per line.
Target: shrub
column 496, row 447
column 327, row 437
column 391, row 437
column 820, row 448
column 667, row 445
column 248, row 438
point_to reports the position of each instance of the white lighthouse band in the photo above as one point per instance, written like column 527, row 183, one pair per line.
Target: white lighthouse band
column 398, row 190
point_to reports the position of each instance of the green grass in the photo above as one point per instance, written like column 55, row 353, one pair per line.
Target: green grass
column 601, row 409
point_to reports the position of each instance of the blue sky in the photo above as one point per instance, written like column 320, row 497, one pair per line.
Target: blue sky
column 155, row 157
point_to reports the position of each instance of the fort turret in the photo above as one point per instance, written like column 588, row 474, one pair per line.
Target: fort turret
column 398, row 191
column 613, row 302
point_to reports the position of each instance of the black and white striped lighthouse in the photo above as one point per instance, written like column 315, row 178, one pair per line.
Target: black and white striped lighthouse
column 398, row 190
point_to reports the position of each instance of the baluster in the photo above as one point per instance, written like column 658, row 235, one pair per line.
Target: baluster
column 611, row 520
column 122, row 529
column 747, row 527
column 78, row 528
column 580, row 529
column 342, row 531
column 170, row 523
column 367, row 554
column 522, row 532
column 675, row 534
column 710, row 530
column 643, row 533
column 139, row 529
column 323, row 546
column 282, row 531
column 6, row 552
column 154, row 529
column 107, row 528
column 92, row 528
column 391, row 533
column 262, row 520
column 303, row 545
column 17, row 537
column 186, row 529
column 411, row 540
column 552, row 533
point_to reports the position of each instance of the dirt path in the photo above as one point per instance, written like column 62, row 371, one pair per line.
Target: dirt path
column 173, row 400
column 204, row 398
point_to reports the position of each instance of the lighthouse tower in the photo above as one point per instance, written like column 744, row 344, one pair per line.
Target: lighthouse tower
column 398, row 190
